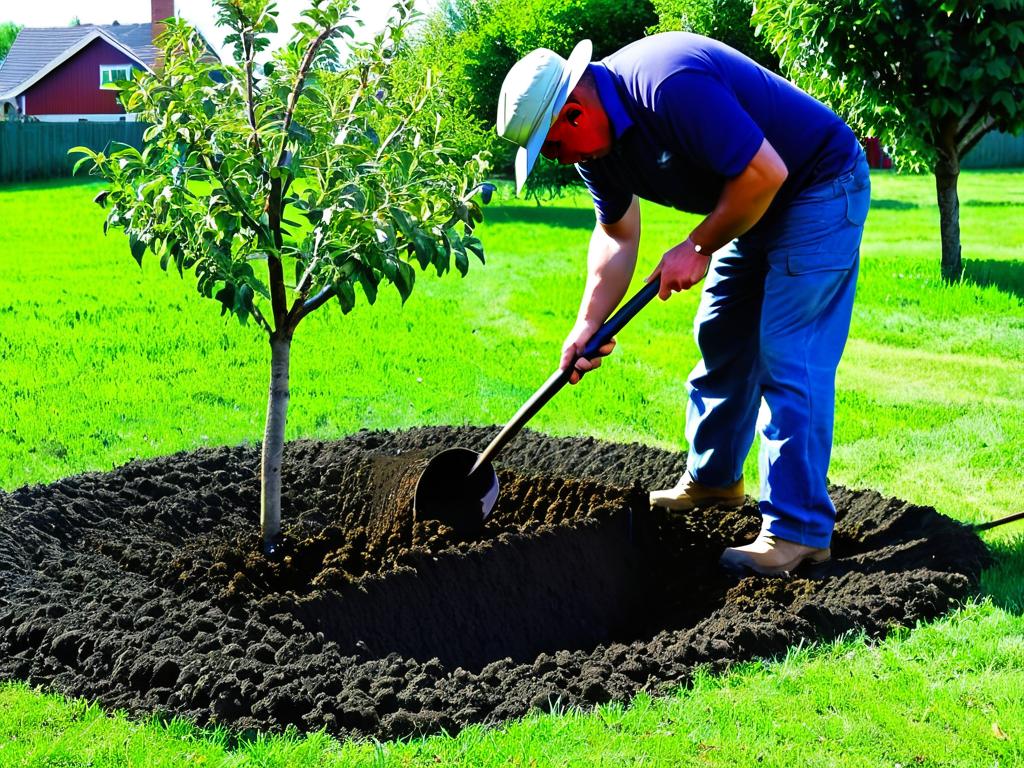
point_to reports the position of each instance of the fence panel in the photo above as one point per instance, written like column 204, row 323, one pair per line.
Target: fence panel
column 40, row 150
column 996, row 150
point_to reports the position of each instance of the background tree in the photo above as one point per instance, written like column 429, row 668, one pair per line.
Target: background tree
column 725, row 20
column 8, row 31
column 929, row 77
column 480, row 40
column 285, row 186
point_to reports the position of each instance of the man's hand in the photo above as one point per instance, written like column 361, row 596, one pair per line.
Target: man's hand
column 573, row 346
column 681, row 267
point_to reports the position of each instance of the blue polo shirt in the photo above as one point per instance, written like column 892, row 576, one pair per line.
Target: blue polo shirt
column 688, row 113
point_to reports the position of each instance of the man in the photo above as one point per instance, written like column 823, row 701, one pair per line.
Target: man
column 685, row 121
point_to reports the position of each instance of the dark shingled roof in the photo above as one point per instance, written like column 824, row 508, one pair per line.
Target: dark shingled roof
column 34, row 48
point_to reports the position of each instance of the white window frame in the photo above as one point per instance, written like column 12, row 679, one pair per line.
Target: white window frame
column 105, row 69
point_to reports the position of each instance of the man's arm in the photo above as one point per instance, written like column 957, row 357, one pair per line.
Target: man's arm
column 743, row 202
column 611, row 260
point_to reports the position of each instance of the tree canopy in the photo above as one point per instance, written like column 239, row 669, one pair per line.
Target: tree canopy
column 928, row 77
column 8, row 31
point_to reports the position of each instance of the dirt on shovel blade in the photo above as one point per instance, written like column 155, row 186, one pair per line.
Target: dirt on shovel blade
column 143, row 588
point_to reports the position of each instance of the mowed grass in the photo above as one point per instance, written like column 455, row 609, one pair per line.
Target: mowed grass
column 101, row 362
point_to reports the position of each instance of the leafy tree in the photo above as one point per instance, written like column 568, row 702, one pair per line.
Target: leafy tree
column 283, row 187
column 928, row 77
column 724, row 20
column 480, row 40
column 8, row 31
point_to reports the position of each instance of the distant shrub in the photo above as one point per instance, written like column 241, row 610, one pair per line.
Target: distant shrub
column 725, row 20
column 478, row 41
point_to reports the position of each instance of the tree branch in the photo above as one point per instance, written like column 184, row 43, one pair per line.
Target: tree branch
column 278, row 297
column 974, row 136
column 238, row 200
column 964, row 126
column 300, row 79
column 250, row 104
column 261, row 320
column 315, row 303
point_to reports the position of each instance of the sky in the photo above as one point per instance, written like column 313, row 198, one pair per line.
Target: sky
column 59, row 13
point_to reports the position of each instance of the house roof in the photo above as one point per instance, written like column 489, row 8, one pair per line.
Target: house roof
column 37, row 51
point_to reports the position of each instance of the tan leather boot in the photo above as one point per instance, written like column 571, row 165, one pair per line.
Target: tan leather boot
column 771, row 556
column 688, row 494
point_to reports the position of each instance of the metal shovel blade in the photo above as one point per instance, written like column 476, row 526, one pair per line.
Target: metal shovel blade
column 459, row 486
column 450, row 491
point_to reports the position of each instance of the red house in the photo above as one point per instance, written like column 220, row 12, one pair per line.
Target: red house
column 57, row 74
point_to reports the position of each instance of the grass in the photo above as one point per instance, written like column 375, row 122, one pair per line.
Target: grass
column 101, row 362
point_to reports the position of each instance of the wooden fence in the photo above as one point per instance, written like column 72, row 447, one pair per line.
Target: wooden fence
column 40, row 150
column 996, row 150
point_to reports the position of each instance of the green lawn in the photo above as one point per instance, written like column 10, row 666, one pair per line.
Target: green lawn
column 101, row 362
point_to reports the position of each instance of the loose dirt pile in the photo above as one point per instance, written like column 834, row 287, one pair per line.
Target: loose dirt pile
column 143, row 587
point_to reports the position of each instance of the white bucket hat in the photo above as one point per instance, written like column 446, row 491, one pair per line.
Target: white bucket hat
column 534, row 92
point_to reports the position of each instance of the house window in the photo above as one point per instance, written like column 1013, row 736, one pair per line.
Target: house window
column 111, row 73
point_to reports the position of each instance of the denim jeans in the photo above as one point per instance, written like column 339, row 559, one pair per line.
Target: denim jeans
column 773, row 320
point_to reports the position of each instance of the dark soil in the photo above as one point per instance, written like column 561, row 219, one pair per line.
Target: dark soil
column 144, row 587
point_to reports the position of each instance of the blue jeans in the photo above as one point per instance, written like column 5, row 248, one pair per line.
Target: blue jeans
column 773, row 320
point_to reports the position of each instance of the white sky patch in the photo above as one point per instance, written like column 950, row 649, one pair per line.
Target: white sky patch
column 59, row 13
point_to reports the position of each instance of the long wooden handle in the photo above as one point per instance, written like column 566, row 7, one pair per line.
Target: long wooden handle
column 561, row 377
column 1000, row 521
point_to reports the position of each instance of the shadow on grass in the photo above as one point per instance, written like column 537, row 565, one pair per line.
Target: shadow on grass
column 83, row 179
column 550, row 215
column 885, row 204
column 1004, row 580
column 993, row 204
column 1007, row 276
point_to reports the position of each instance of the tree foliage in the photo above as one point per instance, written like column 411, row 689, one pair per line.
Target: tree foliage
column 929, row 77
column 480, row 40
column 283, row 186
column 725, row 20
column 8, row 31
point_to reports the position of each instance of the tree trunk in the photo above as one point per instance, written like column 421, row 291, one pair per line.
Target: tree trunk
column 273, row 442
column 947, row 171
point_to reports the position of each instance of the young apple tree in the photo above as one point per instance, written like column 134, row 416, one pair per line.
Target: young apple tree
column 281, row 186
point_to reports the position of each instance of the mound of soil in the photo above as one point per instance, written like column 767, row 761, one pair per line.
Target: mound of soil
column 144, row 588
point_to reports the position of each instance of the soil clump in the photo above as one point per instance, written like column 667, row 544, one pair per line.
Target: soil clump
column 144, row 588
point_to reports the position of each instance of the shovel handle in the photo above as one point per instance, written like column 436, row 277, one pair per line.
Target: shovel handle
column 561, row 377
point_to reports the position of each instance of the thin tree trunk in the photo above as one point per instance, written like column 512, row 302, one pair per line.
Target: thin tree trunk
column 947, row 171
column 273, row 442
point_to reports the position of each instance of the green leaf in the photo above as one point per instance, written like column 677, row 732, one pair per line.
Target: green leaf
column 473, row 244
column 138, row 247
column 405, row 279
column 346, row 296
column 226, row 297
column 369, row 283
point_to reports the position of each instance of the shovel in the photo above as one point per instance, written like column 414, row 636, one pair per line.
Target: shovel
column 460, row 486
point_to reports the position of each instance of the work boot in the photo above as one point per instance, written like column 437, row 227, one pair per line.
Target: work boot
column 688, row 494
column 771, row 556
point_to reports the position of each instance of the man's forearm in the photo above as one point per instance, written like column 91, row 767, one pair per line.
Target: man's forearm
column 611, row 260
column 743, row 201
column 610, row 265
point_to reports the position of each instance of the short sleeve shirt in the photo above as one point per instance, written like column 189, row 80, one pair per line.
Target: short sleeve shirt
column 689, row 113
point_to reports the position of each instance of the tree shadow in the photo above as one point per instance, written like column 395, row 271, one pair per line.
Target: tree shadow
column 1003, row 580
column 883, row 204
column 549, row 215
column 993, row 204
column 60, row 182
column 1007, row 276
